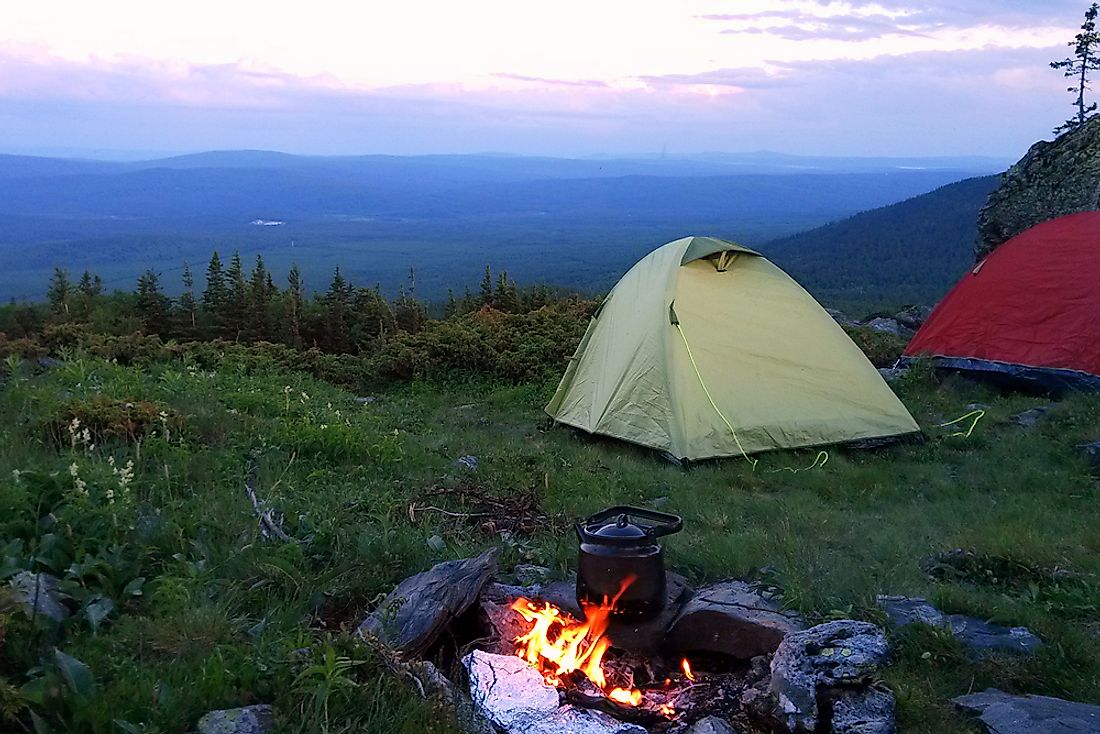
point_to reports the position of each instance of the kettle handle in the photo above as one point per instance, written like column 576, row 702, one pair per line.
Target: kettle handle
column 666, row 523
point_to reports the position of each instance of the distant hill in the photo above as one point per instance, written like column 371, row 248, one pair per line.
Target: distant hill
column 574, row 222
column 909, row 252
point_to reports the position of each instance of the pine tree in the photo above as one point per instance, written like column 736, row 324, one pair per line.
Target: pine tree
column 59, row 295
column 506, row 296
column 213, row 298
column 235, row 311
column 187, row 307
column 296, row 305
column 152, row 305
column 88, row 291
column 485, row 295
column 259, row 301
column 1078, row 66
column 451, row 309
column 336, row 306
column 409, row 313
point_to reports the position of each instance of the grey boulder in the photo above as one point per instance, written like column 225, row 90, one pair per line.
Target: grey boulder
column 841, row 653
column 415, row 613
column 732, row 618
column 259, row 719
column 1005, row 714
column 866, row 710
column 980, row 637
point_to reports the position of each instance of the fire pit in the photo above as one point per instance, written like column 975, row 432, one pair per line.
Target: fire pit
column 528, row 660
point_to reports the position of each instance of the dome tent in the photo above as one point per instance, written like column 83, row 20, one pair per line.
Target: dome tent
column 706, row 349
column 1028, row 314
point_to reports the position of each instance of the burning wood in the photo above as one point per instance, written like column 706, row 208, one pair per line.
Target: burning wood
column 569, row 652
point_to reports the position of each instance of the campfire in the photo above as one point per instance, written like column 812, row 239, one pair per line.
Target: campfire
column 571, row 655
column 626, row 647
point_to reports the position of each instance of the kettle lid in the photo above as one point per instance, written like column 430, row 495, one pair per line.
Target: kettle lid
column 620, row 528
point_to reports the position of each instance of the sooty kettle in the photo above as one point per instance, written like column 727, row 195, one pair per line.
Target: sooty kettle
column 619, row 556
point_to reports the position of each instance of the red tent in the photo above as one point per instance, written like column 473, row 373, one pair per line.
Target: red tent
column 1029, row 311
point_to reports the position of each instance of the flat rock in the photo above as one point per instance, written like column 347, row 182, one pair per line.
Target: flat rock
column 893, row 374
column 1091, row 452
column 887, row 325
column 414, row 614
column 732, row 618
column 1005, row 714
column 513, row 697
column 38, row 595
column 841, row 653
column 979, row 636
column 864, row 710
column 983, row 637
column 902, row 611
column 1030, row 418
column 258, row 719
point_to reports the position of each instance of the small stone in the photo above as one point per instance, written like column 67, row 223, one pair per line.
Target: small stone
column 976, row 406
column 366, row 400
column 732, row 618
column 469, row 462
column 904, row 610
column 712, row 725
column 1091, row 452
column 437, row 543
column 886, row 325
column 1030, row 418
column 38, row 595
column 528, row 574
column 1005, row 714
column 893, row 374
column 867, row 710
column 259, row 719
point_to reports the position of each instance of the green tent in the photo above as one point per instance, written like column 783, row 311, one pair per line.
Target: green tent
column 706, row 349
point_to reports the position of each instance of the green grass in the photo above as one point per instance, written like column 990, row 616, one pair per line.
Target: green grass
column 223, row 618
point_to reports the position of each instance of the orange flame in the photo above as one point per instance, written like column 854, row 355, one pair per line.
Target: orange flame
column 559, row 645
column 687, row 669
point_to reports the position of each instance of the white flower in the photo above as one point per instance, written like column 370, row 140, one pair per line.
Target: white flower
column 15, row 473
column 74, row 470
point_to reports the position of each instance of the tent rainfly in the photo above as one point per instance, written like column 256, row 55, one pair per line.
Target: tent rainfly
column 1028, row 314
column 705, row 349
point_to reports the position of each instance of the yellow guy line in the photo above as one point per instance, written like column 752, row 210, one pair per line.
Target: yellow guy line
column 978, row 415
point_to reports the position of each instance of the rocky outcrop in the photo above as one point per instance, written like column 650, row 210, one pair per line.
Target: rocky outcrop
column 1054, row 178
column 1005, row 714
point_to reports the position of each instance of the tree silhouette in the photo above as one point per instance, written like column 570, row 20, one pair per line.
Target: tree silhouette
column 152, row 305
column 1078, row 66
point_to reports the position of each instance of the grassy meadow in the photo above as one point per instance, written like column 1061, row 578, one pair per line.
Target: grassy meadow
column 184, row 607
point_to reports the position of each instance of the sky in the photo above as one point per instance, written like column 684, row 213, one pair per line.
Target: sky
column 118, row 78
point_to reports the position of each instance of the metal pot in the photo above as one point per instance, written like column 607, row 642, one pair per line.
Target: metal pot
column 620, row 544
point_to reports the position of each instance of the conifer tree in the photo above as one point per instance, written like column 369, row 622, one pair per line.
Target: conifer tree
column 235, row 311
column 506, row 296
column 296, row 304
column 59, row 295
column 451, row 309
column 409, row 313
column 1077, row 67
column 485, row 295
column 213, row 298
column 88, row 291
column 188, row 309
column 335, row 307
column 152, row 305
column 259, row 300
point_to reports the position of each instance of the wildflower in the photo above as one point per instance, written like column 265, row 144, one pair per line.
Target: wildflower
column 74, row 470
column 79, row 484
column 74, row 432
column 15, row 474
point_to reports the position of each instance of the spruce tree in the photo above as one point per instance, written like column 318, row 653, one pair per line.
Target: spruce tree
column 336, row 306
column 59, row 295
column 152, row 305
column 1077, row 67
column 485, row 295
column 213, row 298
column 235, row 311
column 88, row 291
column 259, row 301
column 188, row 309
column 296, row 304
